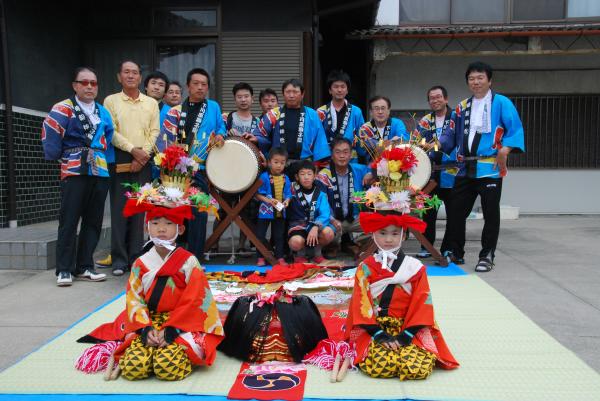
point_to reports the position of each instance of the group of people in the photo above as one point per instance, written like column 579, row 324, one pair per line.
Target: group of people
column 316, row 160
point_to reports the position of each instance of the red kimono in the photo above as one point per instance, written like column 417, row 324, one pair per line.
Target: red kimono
column 186, row 297
column 410, row 301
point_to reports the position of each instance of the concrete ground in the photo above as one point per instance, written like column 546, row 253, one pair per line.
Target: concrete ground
column 547, row 266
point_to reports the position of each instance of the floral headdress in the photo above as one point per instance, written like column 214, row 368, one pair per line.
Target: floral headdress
column 395, row 162
column 174, row 191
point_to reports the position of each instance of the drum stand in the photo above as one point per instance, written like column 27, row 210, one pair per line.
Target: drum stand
column 233, row 216
column 372, row 248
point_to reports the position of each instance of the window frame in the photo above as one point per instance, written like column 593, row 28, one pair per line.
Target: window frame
column 508, row 20
column 203, row 31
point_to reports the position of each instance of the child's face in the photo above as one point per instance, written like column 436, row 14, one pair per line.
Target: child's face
column 277, row 164
column 389, row 237
column 164, row 228
column 305, row 177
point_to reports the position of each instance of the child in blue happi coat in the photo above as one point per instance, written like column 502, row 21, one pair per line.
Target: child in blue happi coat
column 275, row 195
column 309, row 215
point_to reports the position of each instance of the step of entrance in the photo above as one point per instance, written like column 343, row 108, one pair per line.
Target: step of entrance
column 33, row 247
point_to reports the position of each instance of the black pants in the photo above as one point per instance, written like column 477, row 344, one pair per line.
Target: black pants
column 464, row 194
column 127, row 233
column 196, row 228
column 277, row 234
column 430, row 217
column 82, row 197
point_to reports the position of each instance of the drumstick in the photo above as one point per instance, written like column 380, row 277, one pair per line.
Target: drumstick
column 115, row 373
column 109, row 368
column 336, row 368
column 344, row 369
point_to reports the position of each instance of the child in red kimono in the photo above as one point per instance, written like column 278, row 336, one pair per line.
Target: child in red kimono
column 171, row 321
column 391, row 318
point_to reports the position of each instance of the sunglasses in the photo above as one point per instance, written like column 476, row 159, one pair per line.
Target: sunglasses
column 87, row 82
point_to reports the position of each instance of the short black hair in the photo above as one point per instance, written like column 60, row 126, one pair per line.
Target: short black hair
column 338, row 75
column 479, row 66
column 338, row 140
column 241, row 86
column 156, row 75
column 200, row 71
column 296, row 83
column 267, row 92
column 175, row 83
column 129, row 61
column 440, row 87
column 81, row 69
column 277, row 152
column 305, row 165
column 378, row 97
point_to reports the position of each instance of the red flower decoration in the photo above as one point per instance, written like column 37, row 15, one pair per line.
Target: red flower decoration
column 404, row 155
column 172, row 156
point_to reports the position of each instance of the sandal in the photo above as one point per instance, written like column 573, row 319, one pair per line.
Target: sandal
column 484, row 265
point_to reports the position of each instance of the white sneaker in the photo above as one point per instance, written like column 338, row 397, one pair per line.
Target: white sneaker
column 64, row 279
column 424, row 253
column 91, row 275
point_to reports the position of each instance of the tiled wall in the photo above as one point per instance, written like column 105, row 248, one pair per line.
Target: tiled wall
column 37, row 180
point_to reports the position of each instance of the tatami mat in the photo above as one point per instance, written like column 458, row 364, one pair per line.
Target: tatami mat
column 503, row 356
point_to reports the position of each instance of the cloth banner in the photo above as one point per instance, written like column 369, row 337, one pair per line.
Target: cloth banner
column 269, row 381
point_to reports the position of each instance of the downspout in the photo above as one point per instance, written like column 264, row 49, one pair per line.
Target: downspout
column 10, row 151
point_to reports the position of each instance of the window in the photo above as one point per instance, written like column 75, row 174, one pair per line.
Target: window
column 477, row 11
column 583, row 8
column 177, row 60
column 425, row 11
column 184, row 20
column 538, row 10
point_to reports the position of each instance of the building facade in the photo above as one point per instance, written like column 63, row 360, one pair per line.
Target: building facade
column 546, row 58
column 259, row 42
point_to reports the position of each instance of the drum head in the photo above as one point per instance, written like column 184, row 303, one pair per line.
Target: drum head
column 233, row 167
column 422, row 173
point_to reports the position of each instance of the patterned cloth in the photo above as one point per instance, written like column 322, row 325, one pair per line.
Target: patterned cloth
column 63, row 138
column 168, row 363
column 408, row 363
column 272, row 346
column 185, row 304
column 408, row 305
column 506, row 130
column 314, row 142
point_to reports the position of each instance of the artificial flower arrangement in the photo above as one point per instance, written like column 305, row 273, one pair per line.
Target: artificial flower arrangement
column 174, row 189
column 176, row 166
column 395, row 162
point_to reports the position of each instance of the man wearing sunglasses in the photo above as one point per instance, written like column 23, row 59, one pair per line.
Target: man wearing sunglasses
column 78, row 132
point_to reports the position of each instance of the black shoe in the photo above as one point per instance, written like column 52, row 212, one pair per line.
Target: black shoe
column 484, row 265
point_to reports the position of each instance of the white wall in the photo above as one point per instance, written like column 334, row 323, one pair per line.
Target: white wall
column 552, row 191
column 405, row 79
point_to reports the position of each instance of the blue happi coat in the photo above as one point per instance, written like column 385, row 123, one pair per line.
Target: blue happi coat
column 297, row 216
column 314, row 141
column 507, row 130
column 266, row 210
column 211, row 123
column 355, row 121
column 368, row 133
column 63, row 138
column 428, row 129
column 358, row 173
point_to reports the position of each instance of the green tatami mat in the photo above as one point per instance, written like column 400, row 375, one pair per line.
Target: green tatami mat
column 503, row 356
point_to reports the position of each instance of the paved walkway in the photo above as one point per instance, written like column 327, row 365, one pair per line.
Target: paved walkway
column 547, row 266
